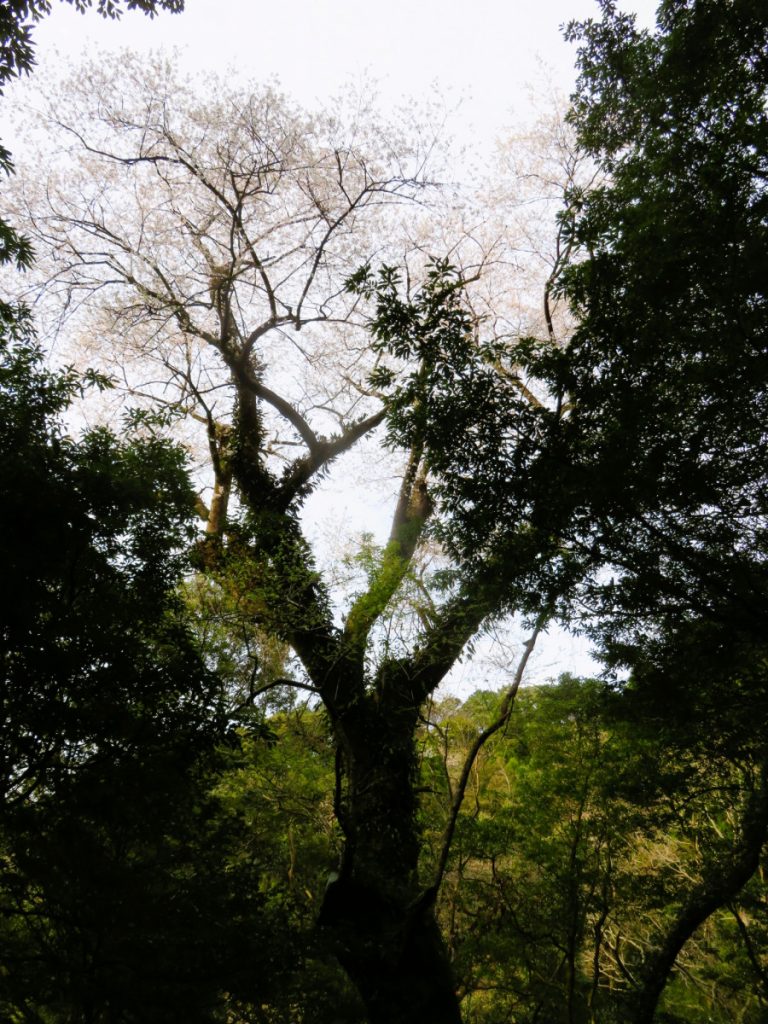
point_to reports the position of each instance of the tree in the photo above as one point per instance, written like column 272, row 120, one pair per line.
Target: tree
column 666, row 377
column 684, row 142
column 222, row 236
column 654, row 532
column 586, row 829
column 114, row 903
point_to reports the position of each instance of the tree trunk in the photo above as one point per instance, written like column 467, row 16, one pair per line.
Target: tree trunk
column 720, row 883
column 394, row 955
column 380, row 923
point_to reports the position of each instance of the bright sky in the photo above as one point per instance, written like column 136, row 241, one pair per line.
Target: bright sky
column 484, row 53
column 484, row 57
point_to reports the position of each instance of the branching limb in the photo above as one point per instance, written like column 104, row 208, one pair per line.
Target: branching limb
column 499, row 722
column 411, row 514
column 482, row 594
column 292, row 683
column 285, row 408
column 296, row 604
column 720, row 883
column 525, row 391
column 302, row 471
column 754, row 958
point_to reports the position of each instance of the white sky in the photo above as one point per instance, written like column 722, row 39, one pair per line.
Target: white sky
column 485, row 57
column 483, row 53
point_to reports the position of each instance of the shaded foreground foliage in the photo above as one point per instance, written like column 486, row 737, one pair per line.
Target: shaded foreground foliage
column 585, row 832
column 157, row 865
column 115, row 902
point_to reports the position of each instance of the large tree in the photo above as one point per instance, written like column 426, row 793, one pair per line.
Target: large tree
column 666, row 373
column 667, row 366
column 638, row 497
column 586, row 829
column 224, row 236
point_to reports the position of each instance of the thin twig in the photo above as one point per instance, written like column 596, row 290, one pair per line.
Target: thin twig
column 499, row 722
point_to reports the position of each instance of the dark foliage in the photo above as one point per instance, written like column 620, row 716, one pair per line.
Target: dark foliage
column 667, row 368
column 116, row 902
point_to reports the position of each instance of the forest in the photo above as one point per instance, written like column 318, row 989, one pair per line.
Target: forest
column 234, row 788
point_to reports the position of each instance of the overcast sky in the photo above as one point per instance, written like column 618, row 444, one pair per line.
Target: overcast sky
column 483, row 54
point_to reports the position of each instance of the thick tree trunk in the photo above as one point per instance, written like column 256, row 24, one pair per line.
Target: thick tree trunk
column 393, row 953
column 380, row 922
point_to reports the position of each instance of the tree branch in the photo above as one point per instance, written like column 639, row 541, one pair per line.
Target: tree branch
column 720, row 883
column 411, row 514
column 499, row 722
column 481, row 594
column 285, row 408
column 302, row 471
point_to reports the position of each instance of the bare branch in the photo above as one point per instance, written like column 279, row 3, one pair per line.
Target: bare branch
column 501, row 720
column 287, row 410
